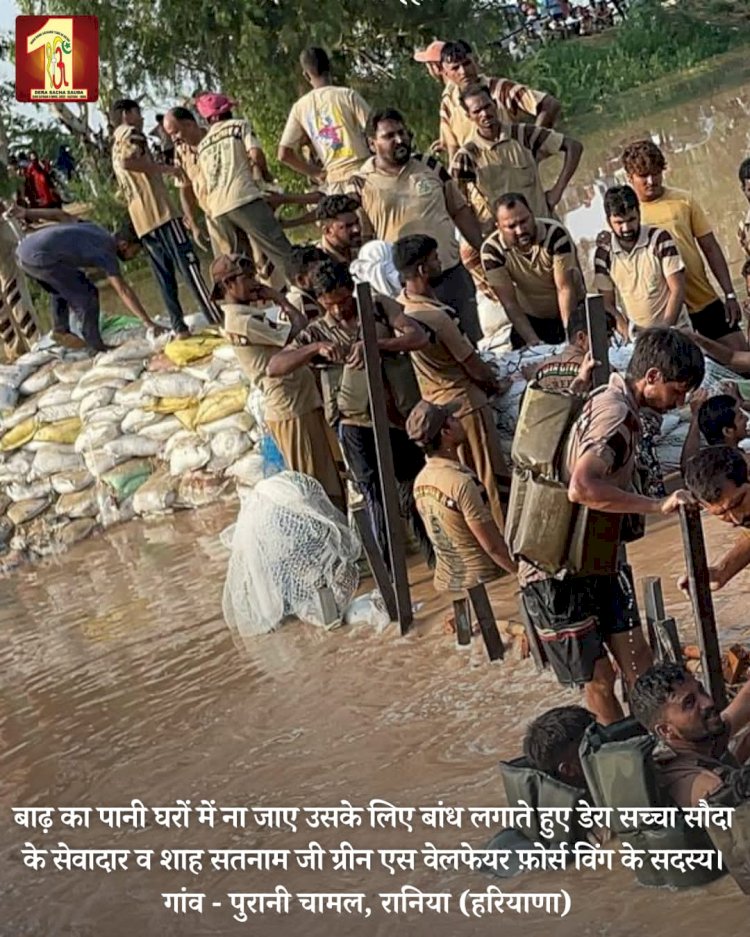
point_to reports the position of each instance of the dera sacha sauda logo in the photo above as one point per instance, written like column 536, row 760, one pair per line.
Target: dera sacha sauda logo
column 57, row 58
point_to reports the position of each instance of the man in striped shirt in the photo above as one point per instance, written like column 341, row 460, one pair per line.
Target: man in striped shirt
column 643, row 264
column 531, row 265
column 513, row 99
column 501, row 157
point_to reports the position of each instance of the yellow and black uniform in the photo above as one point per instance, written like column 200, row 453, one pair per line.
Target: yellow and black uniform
column 442, row 379
column 509, row 163
column 513, row 101
column 532, row 274
column 447, row 495
column 678, row 213
column 159, row 226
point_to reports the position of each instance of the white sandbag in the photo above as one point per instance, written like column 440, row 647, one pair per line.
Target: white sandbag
column 23, row 412
column 95, row 435
column 82, row 389
column 110, row 512
column 95, row 400
column 137, row 419
column 133, row 395
column 206, row 370
column 22, row 491
column 133, row 447
column 34, row 359
column 15, row 374
column 228, row 445
column 8, row 397
column 98, row 462
column 133, row 350
column 40, row 380
column 66, row 483
column 189, row 455
column 225, row 353
column 53, row 460
column 248, row 470
column 156, row 495
column 239, row 422
column 232, row 376
column 181, row 435
column 22, row 511
column 16, row 467
column 119, row 371
column 197, row 489
column 79, row 503
column 56, row 395
column 70, row 372
column 171, row 384
column 162, row 429
column 111, row 414
column 60, row 411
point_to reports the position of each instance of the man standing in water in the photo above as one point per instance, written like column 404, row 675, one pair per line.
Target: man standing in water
column 580, row 617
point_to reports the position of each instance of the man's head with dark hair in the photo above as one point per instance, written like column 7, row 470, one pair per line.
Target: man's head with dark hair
column 306, row 258
column 457, row 61
column 669, row 702
column 744, row 175
column 552, row 741
column 717, row 477
column 388, row 137
column 181, row 126
column 339, row 221
column 644, row 165
column 623, row 213
column 665, row 366
column 416, row 259
column 127, row 111
column 315, row 62
column 127, row 242
column 333, row 288
column 515, row 221
column 577, row 329
column 722, row 421
column 481, row 109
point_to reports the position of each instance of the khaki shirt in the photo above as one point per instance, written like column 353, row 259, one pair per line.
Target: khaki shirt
column 447, row 495
column 509, row 163
column 421, row 199
column 532, row 272
column 558, row 371
column 186, row 159
column 687, row 776
column 640, row 275
column 333, row 120
column 685, row 220
column 148, row 201
column 334, row 254
column 513, row 100
column 223, row 158
column 438, row 366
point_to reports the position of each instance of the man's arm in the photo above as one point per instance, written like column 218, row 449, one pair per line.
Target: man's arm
column 42, row 214
column 733, row 562
column 410, row 334
column 148, row 166
column 480, row 372
column 573, row 151
column 291, row 359
column 548, row 112
column 693, row 439
column 717, row 262
column 130, row 300
column 468, row 224
column 676, row 287
column 737, row 713
column 567, row 295
column 610, row 306
column 505, row 291
column 491, row 541
column 258, row 158
column 189, row 205
column 738, row 361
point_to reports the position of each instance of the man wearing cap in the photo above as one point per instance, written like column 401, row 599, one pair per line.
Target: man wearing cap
column 340, row 227
column 293, row 406
column 332, row 120
column 453, row 504
column 449, row 369
column 155, row 220
column 430, row 58
column 233, row 199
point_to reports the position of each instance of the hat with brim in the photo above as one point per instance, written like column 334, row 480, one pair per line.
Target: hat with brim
column 226, row 266
column 426, row 421
column 430, row 54
column 211, row 105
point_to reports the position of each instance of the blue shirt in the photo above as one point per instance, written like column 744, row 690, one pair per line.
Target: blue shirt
column 77, row 245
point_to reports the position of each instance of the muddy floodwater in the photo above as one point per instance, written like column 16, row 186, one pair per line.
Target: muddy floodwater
column 119, row 680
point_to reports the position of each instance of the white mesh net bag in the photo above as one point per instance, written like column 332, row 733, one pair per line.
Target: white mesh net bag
column 289, row 541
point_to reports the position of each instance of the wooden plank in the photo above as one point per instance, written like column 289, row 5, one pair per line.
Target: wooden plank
column 596, row 321
column 379, row 414
column 487, row 624
column 375, row 559
column 662, row 631
column 462, row 619
column 703, row 606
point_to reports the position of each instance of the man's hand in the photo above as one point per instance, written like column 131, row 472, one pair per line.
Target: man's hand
column 553, row 197
column 166, row 170
column 715, row 580
column 356, row 356
column 196, row 233
column 697, row 399
column 330, row 352
column 672, row 503
column 733, row 311
column 319, row 178
column 436, row 147
column 587, row 367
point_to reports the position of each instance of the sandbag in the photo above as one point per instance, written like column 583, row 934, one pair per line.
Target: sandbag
column 223, row 404
column 18, row 436
column 127, row 371
column 5, row 503
column 207, row 370
column 78, row 503
column 63, row 431
column 137, row 419
column 15, row 374
column 50, row 534
column 241, row 422
column 95, row 400
column 183, row 351
column 15, row 468
column 95, row 435
column 163, row 429
column 111, row 414
column 198, row 488
column 181, row 436
column 225, row 353
column 126, row 479
column 113, row 513
column 133, row 447
column 8, row 397
column 23, row 412
column 171, row 384
column 133, row 395
column 98, row 461
column 187, row 416
column 228, row 445
column 60, row 411
column 21, row 511
column 70, row 372
column 75, row 531
column 136, row 349
column 6, row 532
column 156, row 495
column 53, row 460
column 190, row 454
column 95, row 382
column 31, row 360
column 56, row 395
column 65, row 483
column 40, row 380
column 232, row 376
column 248, row 470
column 24, row 491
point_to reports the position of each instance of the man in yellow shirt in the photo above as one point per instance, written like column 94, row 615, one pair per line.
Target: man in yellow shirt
column 332, row 120
column 678, row 213
column 155, row 219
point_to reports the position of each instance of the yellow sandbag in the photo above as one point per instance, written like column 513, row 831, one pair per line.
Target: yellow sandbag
column 183, row 351
column 171, row 404
column 187, row 416
column 223, row 403
column 19, row 435
column 63, row 431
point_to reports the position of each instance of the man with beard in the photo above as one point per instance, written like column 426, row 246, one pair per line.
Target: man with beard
column 403, row 194
column 642, row 262
column 341, row 235
column 531, row 265
column 717, row 477
column 513, row 100
column 500, row 157
column 694, row 737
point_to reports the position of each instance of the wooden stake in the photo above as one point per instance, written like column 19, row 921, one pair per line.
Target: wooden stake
column 662, row 631
column 375, row 559
column 462, row 618
column 487, row 624
column 596, row 321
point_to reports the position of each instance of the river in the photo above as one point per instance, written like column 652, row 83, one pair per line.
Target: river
column 120, row 681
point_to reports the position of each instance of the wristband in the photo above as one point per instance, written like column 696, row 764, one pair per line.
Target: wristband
column 730, row 296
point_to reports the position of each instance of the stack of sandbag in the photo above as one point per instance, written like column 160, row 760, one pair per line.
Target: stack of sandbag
column 139, row 430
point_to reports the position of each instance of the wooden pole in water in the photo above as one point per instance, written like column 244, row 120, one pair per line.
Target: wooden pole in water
column 703, row 606
column 389, row 492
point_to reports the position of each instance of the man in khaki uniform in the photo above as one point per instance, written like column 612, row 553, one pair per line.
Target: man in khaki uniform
column 341, row 232
column 453, row 504
column 531, row 265
column 156, row 221
column 332, row 119
column 293, row 407
column 513, row 99
column 403, row 194
column 449, row 369
column 499, row 158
